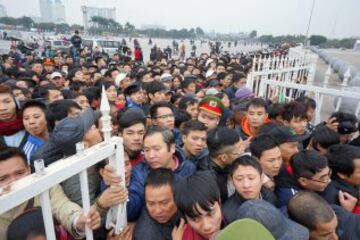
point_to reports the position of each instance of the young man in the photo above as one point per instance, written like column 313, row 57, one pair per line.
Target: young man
column 202, row 211
column 287, row 140
column 246, row 175
column 256, row 116
column 266, row 150
column 224, row 147
column 156, row 92
column 132, row 129
column 13, row 166
column 160, row 152
column 238, row 81
column 134, row 96
column 160, row 214
column 310, row 171
column 190, row 105
column 322, row 138
column 294, row 116
column 162, row 115
column 324, row 221
column 194, row 137
column 210, row 111
column 344, row 161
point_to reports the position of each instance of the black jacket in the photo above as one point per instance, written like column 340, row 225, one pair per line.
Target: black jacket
column 331, row 193
column 147, row 228
column 349, row 224
column 286, row 186
column 230, row 207
column 221, row 175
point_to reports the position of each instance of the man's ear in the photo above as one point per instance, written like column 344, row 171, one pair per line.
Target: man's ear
column 172, row 148
column 183, row 138
column 342, row 176
column 303, row 181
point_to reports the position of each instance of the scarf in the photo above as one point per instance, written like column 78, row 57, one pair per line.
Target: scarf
column 11, row 127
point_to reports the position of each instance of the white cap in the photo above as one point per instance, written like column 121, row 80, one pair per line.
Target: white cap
column 209, row 73
column 55, row 74
column 165, row 77
column 119, row 78
column 210, row 60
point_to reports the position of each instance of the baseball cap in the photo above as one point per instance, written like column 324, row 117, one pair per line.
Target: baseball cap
column 281, row 227
column 284, row 134
column 209, row 73
column 166, row 77
column 119, row 78
column 55, row 74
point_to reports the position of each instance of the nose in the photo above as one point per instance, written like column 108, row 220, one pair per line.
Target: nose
column 207, row 225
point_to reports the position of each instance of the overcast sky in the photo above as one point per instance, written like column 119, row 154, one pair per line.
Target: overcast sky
column 332, row 18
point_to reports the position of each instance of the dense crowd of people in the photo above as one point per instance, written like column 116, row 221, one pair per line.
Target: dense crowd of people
column 201, row 149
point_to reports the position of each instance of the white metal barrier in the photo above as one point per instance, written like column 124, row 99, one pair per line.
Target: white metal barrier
column 40, row 182
column 292, row 69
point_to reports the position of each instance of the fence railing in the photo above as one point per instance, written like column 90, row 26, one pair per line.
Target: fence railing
column 43, row 179
column 294, row 69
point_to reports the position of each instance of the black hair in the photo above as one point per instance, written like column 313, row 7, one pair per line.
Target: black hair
column 309, row 209
column 160, row 177
column 341, row 158
column 257, row 102
column 154, row 87
column 34, row 103
column 106, row 84
column 167, row 135
column 324, row 137
column 59, row 110
column 193, row 125
column 275, row 110
column 267, row 127
column 77, row 85
column 245, row 161
column 126, row 122
column 199, row 191
column 92, row 93
column 9, row 152
column 219, row 138
column 184, row 84
column 181, row 116
column 261, row 143
column 238, row 76
column 293, row 110
column 347, row 122
column 154, row 108
column 307, row 101
column 307, row 163
column 221, row 76
column 187, row 101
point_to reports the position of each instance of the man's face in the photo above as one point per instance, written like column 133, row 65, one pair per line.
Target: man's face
column 297, row 124
column 247, row 182
column 207, row 224
column 164, row 118
column 271, row 161
column 193, row 110
column 58, row 81
column 354, row 178
column 287, row 150
column 191, row 88
column 37, row 68
column 210, row 120
column 220, row 69
column 133, row 137
column 7, row 107
column 82, row 101
column 241, row 83
column 256, row 116
column 125, row 82
column 157, row 153
column 157, row 97
column 325, row 230
column 195, row 142
column 137, row 97
column 160, row 203
column 12, row 169
column 54, row 95
column 92, row 136
column 34, row 121
column 318, row 182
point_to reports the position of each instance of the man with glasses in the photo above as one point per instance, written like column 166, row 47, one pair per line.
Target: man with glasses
column 224, row 146
column 310, row 171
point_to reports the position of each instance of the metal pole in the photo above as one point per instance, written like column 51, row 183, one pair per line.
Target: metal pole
column 309, row 23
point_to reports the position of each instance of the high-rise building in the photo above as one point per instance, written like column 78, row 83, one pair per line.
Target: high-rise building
column 52, row 11
column 89, row 12
column 3, row 12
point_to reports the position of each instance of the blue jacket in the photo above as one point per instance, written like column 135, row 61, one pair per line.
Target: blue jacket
column 138, row 176
column 286, row 187
column 201, row 161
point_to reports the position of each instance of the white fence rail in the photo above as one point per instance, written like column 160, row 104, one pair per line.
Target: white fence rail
column 294, row 69
column 43, row 179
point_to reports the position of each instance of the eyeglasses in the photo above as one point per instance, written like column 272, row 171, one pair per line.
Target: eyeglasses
column 166, row 116
column 328, row 178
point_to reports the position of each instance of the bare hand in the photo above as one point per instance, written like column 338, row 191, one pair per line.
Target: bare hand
column 92, row 220
column 113, row 195
column 127, row 234
column 347, row 201
column 110, row 177
column 332, row 123
column 178, row 231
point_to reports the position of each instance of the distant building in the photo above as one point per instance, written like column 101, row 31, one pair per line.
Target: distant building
column 357, row 45
column 52, row 11
column 3, row 12
column 89, row 12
